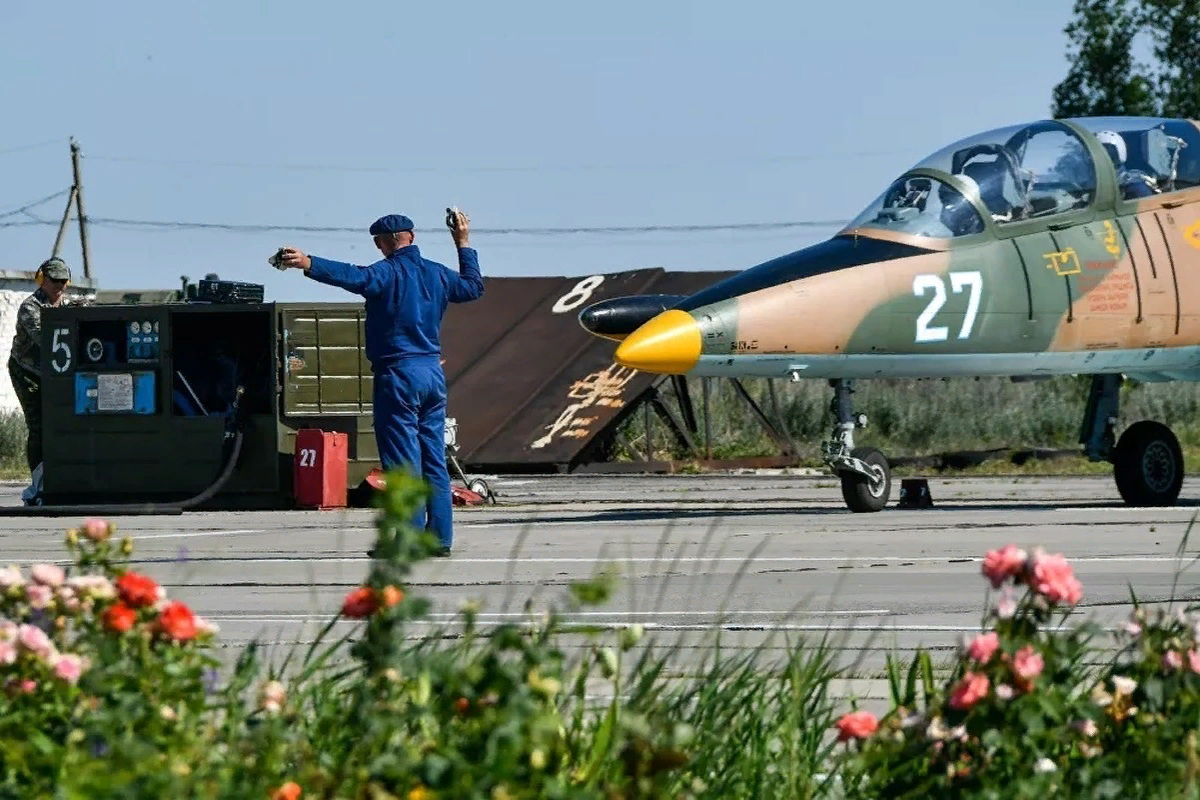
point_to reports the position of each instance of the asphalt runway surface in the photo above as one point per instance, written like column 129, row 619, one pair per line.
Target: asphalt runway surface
column 762, row 557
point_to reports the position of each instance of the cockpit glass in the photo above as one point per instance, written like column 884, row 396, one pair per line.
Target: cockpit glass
column 1151, row 155
column 1023, row 171
column 922, row 206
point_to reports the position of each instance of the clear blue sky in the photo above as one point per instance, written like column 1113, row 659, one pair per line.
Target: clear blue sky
column 523, row 114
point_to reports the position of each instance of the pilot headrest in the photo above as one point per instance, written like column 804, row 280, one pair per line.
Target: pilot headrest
column 972, row 185
column 1113, row 139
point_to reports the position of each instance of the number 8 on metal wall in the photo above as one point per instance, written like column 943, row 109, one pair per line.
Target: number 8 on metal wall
column 578, row 295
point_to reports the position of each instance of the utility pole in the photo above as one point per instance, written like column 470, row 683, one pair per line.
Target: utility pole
column 76, row 198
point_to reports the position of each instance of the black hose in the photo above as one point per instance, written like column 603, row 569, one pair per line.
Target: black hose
column 216, row 485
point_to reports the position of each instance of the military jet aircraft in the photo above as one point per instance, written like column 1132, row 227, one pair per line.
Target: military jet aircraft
column 1059, row 247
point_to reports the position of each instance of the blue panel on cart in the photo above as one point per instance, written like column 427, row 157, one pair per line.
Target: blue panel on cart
column 115, row 393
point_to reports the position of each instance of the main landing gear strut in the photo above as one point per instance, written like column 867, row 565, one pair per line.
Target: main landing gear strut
column 1147, row 460
column 865, row 473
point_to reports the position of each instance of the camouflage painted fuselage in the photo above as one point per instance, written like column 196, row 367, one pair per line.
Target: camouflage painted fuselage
column 1101, row 283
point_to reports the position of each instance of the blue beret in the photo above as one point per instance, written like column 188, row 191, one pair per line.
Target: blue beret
column 392, row 223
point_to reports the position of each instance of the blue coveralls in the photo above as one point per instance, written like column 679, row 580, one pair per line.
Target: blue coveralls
column 406, row 297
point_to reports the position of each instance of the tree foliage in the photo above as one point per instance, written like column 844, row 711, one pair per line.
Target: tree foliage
column 1174, row 27
column 1105, row 78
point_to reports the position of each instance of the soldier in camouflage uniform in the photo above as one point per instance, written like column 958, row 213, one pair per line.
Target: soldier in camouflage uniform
column 25, row 362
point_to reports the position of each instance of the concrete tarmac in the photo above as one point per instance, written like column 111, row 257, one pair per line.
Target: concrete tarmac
column 762, row 557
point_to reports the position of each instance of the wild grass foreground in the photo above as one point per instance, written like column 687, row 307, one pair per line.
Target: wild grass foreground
column 111, row 689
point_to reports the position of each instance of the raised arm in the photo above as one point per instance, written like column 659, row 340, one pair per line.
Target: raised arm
column 467, row 283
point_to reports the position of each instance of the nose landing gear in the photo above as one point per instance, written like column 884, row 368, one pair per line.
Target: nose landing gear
column 864, row 471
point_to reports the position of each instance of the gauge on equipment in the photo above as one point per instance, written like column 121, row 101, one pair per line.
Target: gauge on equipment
column 95, row 349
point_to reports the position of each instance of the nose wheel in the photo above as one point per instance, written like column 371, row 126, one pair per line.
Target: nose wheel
column 865, row 473
column 867, row 492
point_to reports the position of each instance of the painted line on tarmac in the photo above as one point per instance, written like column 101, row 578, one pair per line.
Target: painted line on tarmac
column 661, row 626
column 189, row 534
column 849, row 562
column 615, row 616
column 668, row 560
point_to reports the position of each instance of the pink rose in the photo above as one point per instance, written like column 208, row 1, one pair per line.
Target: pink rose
column 39, row 595
column 856, row 725
column 68, row 668
column 970, row 690
column 48, row 574
column 96, row 586
column 36, row 641
column 1130, row 628
column 1053, row 578
column 1006, row 606
column 28, row 686
column 984, row 646
column 999, row 565
column 8, row 652
column 97, row 530
column 272, row 697
column 69, row 600
column 9, row 577
column 1027, row 663
column 1172, row 660
column 1194, row 660
column 1004, row 692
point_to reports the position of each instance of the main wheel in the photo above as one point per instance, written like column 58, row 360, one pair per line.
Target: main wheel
column 1148, row 465
column 863, row 494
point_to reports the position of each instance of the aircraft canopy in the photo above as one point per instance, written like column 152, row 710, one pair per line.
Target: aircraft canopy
column 1034, row 171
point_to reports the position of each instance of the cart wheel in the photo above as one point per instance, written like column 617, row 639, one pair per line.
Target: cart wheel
column 480, row 487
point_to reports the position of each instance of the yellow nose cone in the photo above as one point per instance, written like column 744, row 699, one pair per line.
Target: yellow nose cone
column 668, row 344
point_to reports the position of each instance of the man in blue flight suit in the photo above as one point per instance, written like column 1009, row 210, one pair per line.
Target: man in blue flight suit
column 406, row 297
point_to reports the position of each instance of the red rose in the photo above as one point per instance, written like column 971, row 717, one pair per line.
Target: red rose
column 137, row 590
column 360, row 603
column 856, row 725
column 177, row 622
column 119, row 617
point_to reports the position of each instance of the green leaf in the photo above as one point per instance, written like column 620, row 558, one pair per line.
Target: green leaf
column 1153, row 690
column 601, row 742
column 1032, row 720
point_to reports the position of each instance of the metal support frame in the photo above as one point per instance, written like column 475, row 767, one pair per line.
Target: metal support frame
column 681, row 435
column 785, row 446
column 683, row 422
column 1098, row 432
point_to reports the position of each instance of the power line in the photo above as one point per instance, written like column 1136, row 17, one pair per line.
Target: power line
column 525, row 231
column 513, row 168
column 22, row 148
column 34, row 204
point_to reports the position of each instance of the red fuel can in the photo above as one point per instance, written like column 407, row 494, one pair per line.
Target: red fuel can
column 319, row 468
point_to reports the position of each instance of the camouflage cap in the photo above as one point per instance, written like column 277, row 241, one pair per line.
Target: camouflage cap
column 56, row 269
